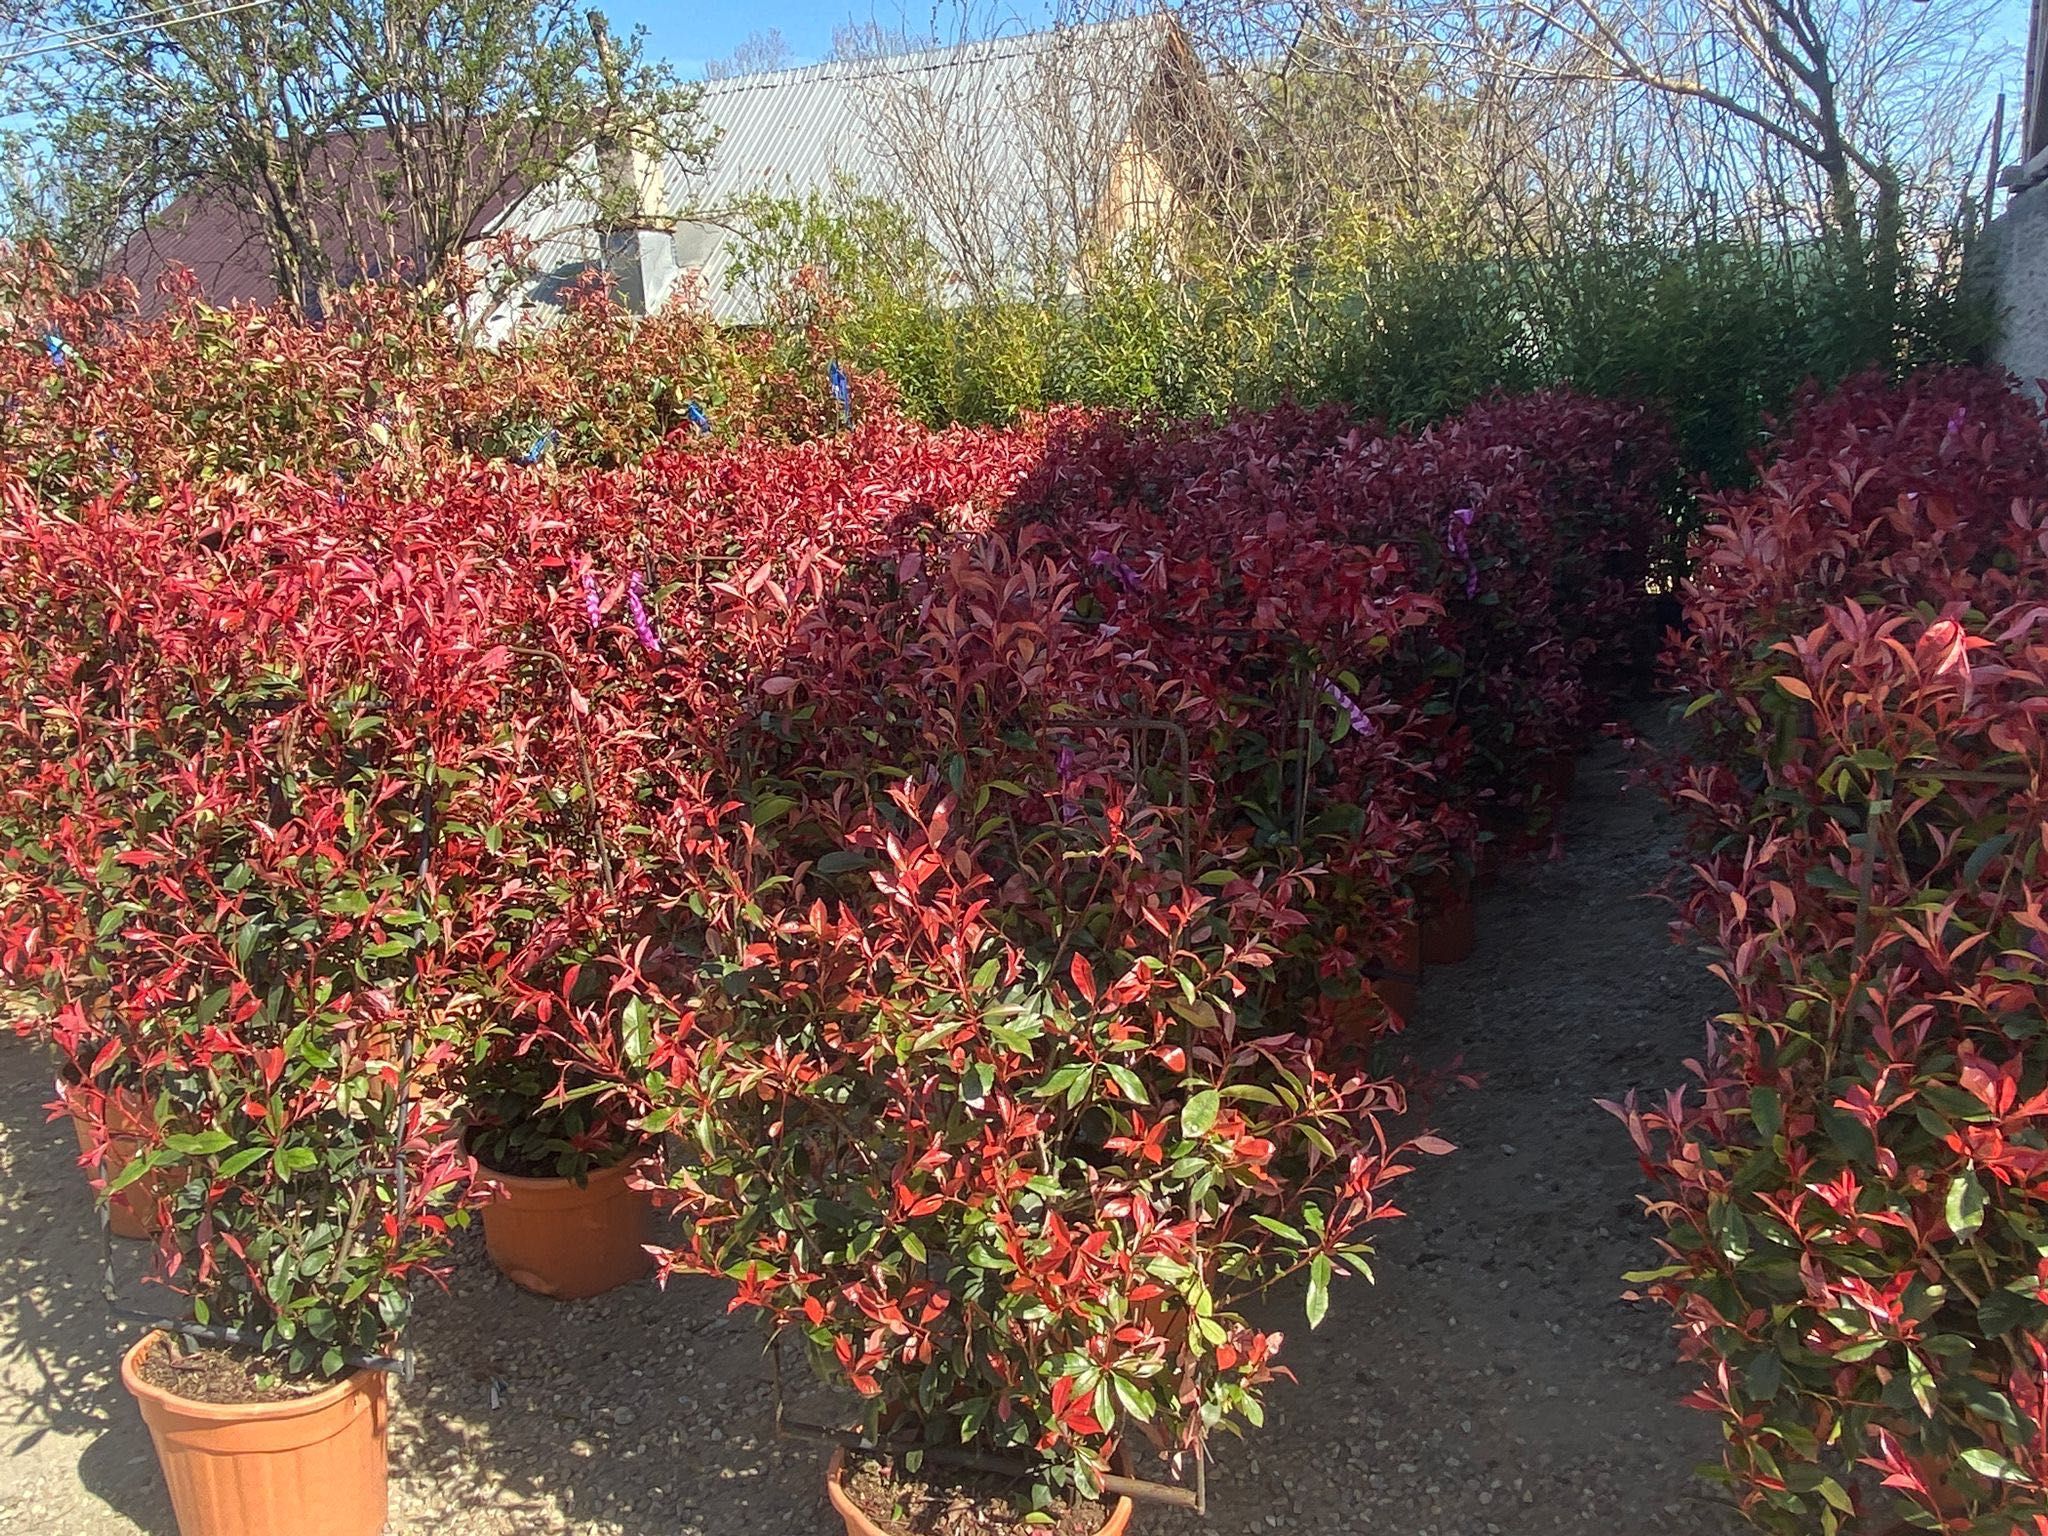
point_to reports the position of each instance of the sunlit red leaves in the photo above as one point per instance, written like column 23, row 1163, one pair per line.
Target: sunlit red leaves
column 1860, row 1173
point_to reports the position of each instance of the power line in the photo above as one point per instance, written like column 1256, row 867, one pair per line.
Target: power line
column 135, row 26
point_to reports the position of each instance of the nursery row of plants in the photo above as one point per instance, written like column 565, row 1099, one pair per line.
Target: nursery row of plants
column 971, row 880
column 1853, row 1187
column 204, row 393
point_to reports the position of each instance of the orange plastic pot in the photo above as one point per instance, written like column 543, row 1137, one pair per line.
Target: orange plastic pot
column 1449, row 931
column 559, row 1238
column 132, row 1212
column 308, row 1466
column 858, row 1523
column 1401, row 991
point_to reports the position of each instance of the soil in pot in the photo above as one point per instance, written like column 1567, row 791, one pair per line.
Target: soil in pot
column 209, row 1375
column 567, row 1239
column 878, row 1499
column 255, row 1457
column 132, row 1212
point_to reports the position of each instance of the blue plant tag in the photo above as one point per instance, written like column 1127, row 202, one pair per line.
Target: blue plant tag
column 540, row 447
column 54, row 345
column 697, row 417
column 841, row 391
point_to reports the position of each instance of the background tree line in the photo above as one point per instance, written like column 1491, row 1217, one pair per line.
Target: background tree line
column 1397, row 204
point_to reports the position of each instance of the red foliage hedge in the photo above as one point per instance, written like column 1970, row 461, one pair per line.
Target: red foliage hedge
column 1858, row 1238
column 972, row 852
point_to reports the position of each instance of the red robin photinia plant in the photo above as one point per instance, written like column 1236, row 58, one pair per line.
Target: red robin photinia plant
column 100, row 400
column 251, row 799
column 989, row 943
column 975, row 854
column 1858, row 1244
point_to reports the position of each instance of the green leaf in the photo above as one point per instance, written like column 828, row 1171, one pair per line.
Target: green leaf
column 1127, row 1081
column 1278, row 1228
column 770, row 808
column 636, row 1032
column 1764, row 1375
column 1766, row 1112
column 245, row 1158
column 1198, row 1115
column 1986, row 1462
column 1986, row 851
column 1318, row 1289
column 1731, row 1232
column 1965, row 1208
column 1920, row 1381
column 2002, row 1311
column 204, row 1144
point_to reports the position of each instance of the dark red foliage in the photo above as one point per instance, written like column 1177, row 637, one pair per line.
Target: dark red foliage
column 1855, row 1193
column 975, row 850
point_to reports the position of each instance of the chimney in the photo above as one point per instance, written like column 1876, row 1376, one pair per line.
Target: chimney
column 637, row 234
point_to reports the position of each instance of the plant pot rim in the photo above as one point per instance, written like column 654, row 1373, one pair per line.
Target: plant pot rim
column 858, row 1519
column 609, row 1173
column 198, row 1408
column 71, row 1085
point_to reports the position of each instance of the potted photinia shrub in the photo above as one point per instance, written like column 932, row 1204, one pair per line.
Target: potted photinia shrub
column 569, row 1212
column 253, row 859
column 288, row 972
column 303, row 1197
column 546, row 1030
column 1007, row 1168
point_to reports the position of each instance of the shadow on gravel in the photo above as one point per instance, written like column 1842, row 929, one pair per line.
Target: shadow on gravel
column 59, row 1350
column 1493, row 1383
column 642, row 1411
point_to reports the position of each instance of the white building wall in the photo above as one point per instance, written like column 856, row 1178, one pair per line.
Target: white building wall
column 2020, row 253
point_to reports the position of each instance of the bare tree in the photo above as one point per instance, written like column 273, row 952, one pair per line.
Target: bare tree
column 875, row 39
column 757, row 54
column 353, row 135
column 1856, row 101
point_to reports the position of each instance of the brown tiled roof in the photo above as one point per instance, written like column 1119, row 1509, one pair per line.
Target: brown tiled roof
column 218, row 233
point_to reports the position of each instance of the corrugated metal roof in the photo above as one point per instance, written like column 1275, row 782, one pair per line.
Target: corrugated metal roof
column 364, row 226
column 993, row 143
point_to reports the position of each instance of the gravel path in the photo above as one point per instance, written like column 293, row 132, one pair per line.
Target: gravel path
column 1492, row 1382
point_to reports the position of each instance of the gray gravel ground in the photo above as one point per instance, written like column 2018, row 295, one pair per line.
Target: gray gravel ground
column 1491, row 1382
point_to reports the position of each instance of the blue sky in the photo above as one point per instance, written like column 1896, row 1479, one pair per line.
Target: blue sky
column 687, row 36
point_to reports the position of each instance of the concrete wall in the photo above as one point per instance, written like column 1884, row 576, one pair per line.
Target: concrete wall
column 2020, row 251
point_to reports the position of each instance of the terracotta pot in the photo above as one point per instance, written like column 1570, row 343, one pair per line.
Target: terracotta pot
column 131, row 1213
column 308, row 1466
column 559, row 1238
column 1401, row 992
column 858, row 1524
column 1449, row 931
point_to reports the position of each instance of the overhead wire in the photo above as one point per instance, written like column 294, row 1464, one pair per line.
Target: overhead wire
column 115, row 31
